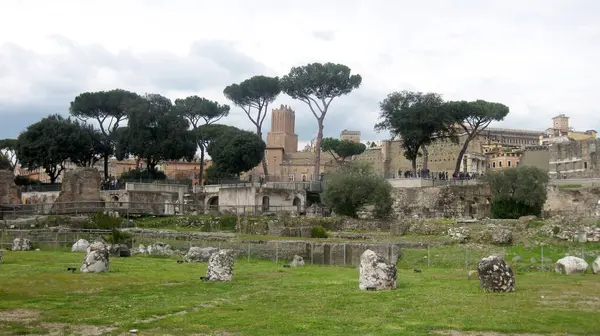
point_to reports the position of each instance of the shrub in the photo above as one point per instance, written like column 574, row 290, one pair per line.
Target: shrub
column 517, row 192
column 227, row 223
column 512, row 209
column 102, row 221
column 355, row 185
column 318, row 232
column 121, row 237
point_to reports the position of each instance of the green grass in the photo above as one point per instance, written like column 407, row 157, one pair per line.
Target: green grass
column 570, row 186
column 158, row 296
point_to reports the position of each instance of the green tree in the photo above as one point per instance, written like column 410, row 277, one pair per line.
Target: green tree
column 355, row 185
column 473, row 117
column 235, row 151
column 417, row 118
column 8, row 148
column 517, row 192
column 109, row 110
column 4, row 162
column 88, row 143
column 215, row 176
column 48, row 144
column 253, row 96
column 342, row 149
column 156, row 132
column 316, row 85
column 201, row 112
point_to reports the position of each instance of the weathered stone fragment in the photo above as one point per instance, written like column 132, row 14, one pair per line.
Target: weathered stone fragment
column 96, row 259
column 220, row 266
column 495, row 275
column 570, row 265
column 376, row 273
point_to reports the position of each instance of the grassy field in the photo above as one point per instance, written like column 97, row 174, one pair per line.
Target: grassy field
column 158, row 296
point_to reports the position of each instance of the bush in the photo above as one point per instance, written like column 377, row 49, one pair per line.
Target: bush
column 355, row 185
column 101, row 221
column 121, row 237
column 517, row 192
column 318, row 232
column 511, row 209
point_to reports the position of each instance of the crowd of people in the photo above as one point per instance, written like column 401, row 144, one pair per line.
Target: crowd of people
column 426, row 174
column 112, row 184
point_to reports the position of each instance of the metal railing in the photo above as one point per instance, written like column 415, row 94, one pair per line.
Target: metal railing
column 126, row 209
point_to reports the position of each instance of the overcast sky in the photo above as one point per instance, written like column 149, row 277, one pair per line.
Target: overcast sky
column 539, row 57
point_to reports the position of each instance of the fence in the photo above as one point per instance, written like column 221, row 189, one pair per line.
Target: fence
column 537, row 258
column 127, row 209
column 51, row 239
column 422, row 256
column 322, row 253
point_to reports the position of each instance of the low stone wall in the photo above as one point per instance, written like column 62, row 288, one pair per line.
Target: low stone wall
column 318, row 253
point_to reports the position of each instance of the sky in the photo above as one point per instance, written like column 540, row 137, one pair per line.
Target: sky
column 538, row 57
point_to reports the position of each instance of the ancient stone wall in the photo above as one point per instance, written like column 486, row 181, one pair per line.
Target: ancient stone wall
column 574, row 159
column 80, row 192
column 9, row 192
column 442, row 202
column 581, row 202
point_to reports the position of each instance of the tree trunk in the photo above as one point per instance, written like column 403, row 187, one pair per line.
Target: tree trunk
column 105, row 166
column 201, row 175
column 425, row 157
column 414, row 167
column 264, row 159
column 318, row 150
column 462, row 152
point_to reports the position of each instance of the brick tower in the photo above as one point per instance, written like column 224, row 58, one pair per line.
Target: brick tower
column 283, row 124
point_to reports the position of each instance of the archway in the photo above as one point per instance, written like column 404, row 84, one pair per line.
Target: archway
column 213, row 203
column 265, row 203
column 298, row 204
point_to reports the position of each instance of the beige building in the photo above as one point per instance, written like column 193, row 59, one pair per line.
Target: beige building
column 501, row 157
column 561, row 132
column 353, row 136
column 388, row 159
column 284, row 161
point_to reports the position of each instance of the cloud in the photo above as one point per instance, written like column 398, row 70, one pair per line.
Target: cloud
column 34, row 85
column 325, row 35
column 538, row 57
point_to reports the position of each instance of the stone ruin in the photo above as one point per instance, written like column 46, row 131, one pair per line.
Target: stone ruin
column 570, row 265
column 495, row 275
column 80, row 193
column 298, row 261
column 80, row 246
column 119, row 250
column 96, row 259
column 595, row 265
column 220, row 266
column 158, row 249
column 376, row 273
column 9, row 192
column 21, row 244
column 199, row 254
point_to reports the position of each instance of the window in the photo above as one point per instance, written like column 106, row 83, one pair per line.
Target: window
column 500, row 164
column 304, row 178
column 517, row 163
column 493, row 164
column 509, row 163
column 585, row 165
column 291, row 177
